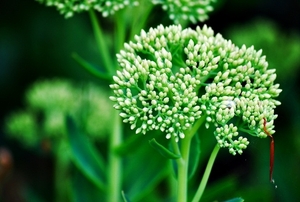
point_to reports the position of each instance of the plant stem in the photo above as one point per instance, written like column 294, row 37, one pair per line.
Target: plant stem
column 115, row 163
column 206, row 174
column 62, row 180
column 102, row 46
column 182, row 164
column 120, row 30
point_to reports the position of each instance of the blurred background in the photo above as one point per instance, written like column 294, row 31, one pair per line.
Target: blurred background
column 36, row 43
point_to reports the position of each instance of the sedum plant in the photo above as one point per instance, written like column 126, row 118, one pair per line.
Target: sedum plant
column 170, row 81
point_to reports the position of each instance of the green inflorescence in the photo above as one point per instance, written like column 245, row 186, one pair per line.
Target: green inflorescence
column 70, row 7
column 171, row 77
column 178, row 10
column 187, row 10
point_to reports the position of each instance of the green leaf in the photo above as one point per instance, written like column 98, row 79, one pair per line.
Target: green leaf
column 238, row 199
column 85, row 156
column 223, row 188
column 90, row 68
column 125, row 199
column 84, row 189
column 130, row 143
column 133, row 141
column 162, row 150
column 194, row 156
column 143, row 170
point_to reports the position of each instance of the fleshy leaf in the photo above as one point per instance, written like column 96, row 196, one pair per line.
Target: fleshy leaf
column 124, row 197
column 85, row 155
column 162, row 150
column 143, row 171
column 83, row 189
column 90, row 68
column 238, row 199
column 130, row 143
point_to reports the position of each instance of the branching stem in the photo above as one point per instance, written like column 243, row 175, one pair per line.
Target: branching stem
column 206, row 174
column 183, row 162
column 115, row 163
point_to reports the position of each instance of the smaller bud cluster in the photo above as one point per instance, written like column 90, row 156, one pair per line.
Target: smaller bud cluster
column 70, row 7
column 225, row 137
column 183, row 10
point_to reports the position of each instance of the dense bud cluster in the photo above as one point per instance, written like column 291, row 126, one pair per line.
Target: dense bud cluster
column 171, row 77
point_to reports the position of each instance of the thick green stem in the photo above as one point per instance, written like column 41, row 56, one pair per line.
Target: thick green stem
column 182, row 164
column 120, row 30
column 62, row 180
column 102, row 46
column 115, row 163
column 206, row 174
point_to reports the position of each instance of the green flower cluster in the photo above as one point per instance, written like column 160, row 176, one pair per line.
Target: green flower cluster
column 187, row 10
column 224, row 137
column 50, row 102
column 171, row 77
column 69, row 7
